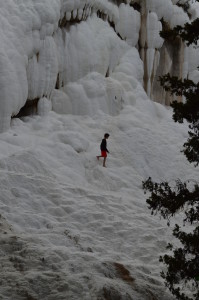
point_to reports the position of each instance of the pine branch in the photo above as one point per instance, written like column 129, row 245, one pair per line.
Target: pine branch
column 188, row 33
column 168, row 201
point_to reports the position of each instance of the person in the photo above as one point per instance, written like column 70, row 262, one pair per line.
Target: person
column 104, row 149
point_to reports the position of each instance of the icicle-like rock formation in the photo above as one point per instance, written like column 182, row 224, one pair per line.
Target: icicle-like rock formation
column 87, row 56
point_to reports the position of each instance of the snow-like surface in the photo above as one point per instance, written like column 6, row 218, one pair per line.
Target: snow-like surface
column 153, row 28
column 34, row 50
column 128, row 25
column 164, row 9
column 69, row 220
column 38, row 52
column 179, row 17
column 65, row 221
column 194, row 10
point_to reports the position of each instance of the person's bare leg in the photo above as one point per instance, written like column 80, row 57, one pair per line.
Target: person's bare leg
column 104, row 162
column 98, row 156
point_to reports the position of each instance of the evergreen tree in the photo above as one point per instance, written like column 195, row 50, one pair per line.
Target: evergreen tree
column 188, row 111
column 189, row 32
column 182, row 274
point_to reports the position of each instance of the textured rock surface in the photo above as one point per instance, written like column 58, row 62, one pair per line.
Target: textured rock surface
column 63, row 45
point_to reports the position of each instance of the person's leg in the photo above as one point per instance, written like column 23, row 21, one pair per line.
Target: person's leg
column 104, row 162
column 102, row 155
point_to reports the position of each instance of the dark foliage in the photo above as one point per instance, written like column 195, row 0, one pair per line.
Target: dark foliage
column 188, row 111
column 167, row 201
column 182, row 274
column 185, row 5
column 188, row 33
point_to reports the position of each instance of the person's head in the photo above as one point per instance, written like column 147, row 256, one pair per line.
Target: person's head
column 106, row 136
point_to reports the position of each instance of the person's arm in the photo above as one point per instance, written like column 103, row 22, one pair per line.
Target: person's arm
column 106, row 148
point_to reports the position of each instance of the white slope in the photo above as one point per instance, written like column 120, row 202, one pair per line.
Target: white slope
column 70, row 229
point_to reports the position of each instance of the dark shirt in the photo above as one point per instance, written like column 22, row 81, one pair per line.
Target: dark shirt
column 103, row 146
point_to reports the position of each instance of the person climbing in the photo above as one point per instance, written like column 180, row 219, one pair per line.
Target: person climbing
column 104, row 149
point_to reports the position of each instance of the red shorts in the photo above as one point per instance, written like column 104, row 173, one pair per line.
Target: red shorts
column 103, row 153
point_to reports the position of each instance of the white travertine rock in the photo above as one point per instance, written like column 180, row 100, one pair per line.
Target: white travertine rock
column 179, row 17
column 153, row 28
column 44, row 106
column 48, row 44
column 128, row 25
column 162, row 8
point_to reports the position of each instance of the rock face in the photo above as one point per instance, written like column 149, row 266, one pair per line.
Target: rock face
column 61, row 50
column 159, row 57
column 171, row 61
